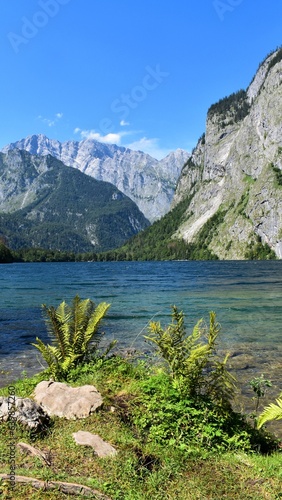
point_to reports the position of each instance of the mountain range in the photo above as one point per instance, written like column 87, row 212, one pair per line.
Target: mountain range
column 44, row 203
column 228, row 198
column 150, row 183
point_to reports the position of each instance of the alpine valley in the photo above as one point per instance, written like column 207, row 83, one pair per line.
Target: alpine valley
column 227, row 203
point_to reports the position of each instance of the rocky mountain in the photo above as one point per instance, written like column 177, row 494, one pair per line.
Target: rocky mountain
column 148, row 182
column 228, row 200
column 234, row 174
column 44, row 203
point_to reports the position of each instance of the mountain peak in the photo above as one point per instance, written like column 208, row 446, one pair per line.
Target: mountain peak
column 148, row 182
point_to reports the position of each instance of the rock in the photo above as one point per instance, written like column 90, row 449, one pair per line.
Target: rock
column 23, row 410
column 61, row 400
column 66, row 488
column 35, row 452
column 101, row 448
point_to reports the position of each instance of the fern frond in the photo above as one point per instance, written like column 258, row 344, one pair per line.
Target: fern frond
column 44, row 350
column 214, row 330
column 191, row 359
column 71, row 329
column 64, row 316
column 82, row 311
column 199, row 353
column 271, row 412
column 221, row 383
column 196, row 333
column 93, row 324
column 48, row 355
column 68, row 362
column 55, row 327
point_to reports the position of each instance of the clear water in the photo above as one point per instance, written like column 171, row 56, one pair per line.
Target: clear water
column 247, row 297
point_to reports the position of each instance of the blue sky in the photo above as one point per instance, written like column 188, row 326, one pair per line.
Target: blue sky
column 140, row 74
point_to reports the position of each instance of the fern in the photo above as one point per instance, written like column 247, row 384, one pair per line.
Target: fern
column 221, row 383
column 191, row 359
column 271, row 412
column 71, row 330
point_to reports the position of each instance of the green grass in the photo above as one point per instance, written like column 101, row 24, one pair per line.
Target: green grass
column 145, row 467
column 248, row 179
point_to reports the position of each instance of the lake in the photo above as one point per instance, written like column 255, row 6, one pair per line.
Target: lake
column 246, row 296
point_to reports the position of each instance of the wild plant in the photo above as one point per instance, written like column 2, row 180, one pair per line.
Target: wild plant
column 191, row 360
column 271, row 412
column 259, row 386
column 74, row 333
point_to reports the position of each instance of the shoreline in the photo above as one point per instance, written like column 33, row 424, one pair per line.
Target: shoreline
column 245, row 363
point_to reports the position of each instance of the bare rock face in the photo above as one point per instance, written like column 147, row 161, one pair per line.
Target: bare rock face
column 236, row 168
column 101, row 448
column 61, row 400
column 23, row 410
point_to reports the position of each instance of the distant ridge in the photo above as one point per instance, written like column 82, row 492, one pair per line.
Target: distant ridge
column 45, row 204
column 150, row 183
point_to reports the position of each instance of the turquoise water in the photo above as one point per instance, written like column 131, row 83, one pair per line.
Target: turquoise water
column 247, row 297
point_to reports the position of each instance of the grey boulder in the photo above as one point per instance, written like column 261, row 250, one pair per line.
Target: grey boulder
column 23, row 410
column 59, row 399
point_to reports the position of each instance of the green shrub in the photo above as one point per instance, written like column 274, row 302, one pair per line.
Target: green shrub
column 160, row 414
column 256, row 250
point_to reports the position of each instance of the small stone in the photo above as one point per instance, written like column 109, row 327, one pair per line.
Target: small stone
column 101, row 448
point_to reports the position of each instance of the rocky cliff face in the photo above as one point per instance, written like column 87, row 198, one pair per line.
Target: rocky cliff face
column 148, row 182
column 236, row 169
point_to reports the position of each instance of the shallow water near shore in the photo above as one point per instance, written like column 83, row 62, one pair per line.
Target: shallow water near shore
column 246, row 296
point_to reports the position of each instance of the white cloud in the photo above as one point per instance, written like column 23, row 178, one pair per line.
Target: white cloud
column 51, row 122
column 92, row 134
column 149, row 146
column 111, row 138
column 123, row 123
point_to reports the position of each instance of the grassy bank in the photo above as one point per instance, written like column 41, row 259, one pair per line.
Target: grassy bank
column 170, row 417
column 159, row 455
